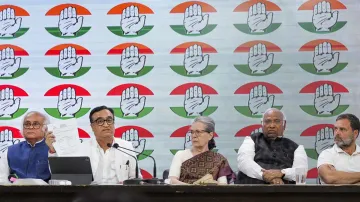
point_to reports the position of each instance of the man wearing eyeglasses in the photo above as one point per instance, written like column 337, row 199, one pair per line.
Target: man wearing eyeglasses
column 267, row 157
column 109, row 166
column 29, row 158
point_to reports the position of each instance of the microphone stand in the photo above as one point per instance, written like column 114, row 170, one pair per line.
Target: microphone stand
column 154, row 180
column 135, row 180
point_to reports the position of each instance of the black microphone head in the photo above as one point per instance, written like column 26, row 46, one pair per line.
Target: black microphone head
column 116, row 145
column 109, row 145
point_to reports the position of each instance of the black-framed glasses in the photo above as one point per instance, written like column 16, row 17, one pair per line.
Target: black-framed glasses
column 101, row 121
column 197, row 132
column 35, row 125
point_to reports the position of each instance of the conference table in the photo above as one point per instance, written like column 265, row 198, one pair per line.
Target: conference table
column 183, row 193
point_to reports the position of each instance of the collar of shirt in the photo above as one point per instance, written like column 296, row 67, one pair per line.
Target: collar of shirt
column 40, row 141
column 99, row 147
column 339, row 150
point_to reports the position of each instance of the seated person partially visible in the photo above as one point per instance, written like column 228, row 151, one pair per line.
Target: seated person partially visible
column 340, row 164
column 269, row 157
column 29, row 158
column 200, row 165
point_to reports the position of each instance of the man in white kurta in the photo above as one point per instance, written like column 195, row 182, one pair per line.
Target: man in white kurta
column 109, row 166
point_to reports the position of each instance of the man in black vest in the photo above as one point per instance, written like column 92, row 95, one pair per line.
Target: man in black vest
column 268, row 157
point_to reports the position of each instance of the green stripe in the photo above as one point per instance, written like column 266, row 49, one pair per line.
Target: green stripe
column 246, row 29
column 18, row 73
column 309, row 67
column 246, row 70
column 309, row 26
column 54, row 71
column 19, row 33
column 116, row 70
column 310, row 109
column 181, row 112
column 180, row 29
column 180, row 69
column 117, row 30
column 54, row 112
column 55, row 31
column 17, row 114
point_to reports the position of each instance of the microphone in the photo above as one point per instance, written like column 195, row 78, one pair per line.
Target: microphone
column 154, row 180
column 136, row 180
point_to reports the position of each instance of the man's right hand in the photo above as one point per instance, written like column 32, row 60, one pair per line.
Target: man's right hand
column 49, row 140
column 270, row 175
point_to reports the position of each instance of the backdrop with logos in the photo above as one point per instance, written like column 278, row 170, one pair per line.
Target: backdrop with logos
column 159, row 65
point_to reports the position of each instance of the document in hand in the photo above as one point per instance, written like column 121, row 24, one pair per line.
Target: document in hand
column 67, row 142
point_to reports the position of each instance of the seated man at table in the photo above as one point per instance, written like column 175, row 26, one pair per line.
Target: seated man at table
column 269, row 157
column 340, row 164
column 109, row 166
column 199, row 164
column 29, row 158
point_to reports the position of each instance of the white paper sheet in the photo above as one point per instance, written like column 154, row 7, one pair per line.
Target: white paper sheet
column 67, row 142
column 30, row 181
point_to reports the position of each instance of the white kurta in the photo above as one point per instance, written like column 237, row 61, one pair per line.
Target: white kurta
column 112, row 166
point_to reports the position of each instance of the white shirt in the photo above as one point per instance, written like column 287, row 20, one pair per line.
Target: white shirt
column 341, row 160
column 179, row 158
column 106, row 173
column 112, row 166
column 249, row 167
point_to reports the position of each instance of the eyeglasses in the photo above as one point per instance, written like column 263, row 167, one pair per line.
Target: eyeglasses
column 101, row 121
column 197, row 132
column 29, row 125
column 276, row 122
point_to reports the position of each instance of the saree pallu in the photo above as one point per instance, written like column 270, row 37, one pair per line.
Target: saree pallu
column 208, row 162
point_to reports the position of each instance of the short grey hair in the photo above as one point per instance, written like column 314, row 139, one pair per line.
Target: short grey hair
column 46, row 118
column 273, row 109
column 207, row 121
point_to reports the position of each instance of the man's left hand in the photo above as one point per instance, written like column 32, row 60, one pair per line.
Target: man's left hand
column 269, row 175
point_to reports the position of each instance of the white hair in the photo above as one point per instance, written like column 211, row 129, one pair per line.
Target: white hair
column 46, row 120
column 273, row 109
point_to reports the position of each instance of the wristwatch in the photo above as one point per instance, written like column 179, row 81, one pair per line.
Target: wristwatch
column 283, row 172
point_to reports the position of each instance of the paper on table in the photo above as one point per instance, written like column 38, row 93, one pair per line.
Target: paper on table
column 30, row 181
column 67, row 138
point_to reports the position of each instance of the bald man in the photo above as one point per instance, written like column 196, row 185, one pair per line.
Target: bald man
column 267, row 157
column 29, row 158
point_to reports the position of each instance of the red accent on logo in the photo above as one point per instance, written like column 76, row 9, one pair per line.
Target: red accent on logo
column 247, row 130
column 116, row 91
column 17, row 91
column 181, row 132
column 181, row 90
column 141, row 131
column 312, row 173
column 55, row 91
column 312, row 131
column 83, row 134
column 336, row 87
column 145, row 174
column 245, row 89
column 15, row 132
